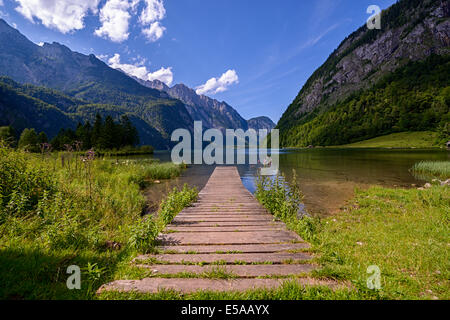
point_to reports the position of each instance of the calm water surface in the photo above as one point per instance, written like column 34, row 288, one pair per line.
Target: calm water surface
column 327, row 177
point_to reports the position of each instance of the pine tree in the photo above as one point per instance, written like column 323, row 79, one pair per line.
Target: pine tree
column 97, row 131
column 130, row 134
column 109, row 134
column 42, row 138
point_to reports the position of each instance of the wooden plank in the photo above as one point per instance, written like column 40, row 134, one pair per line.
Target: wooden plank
column 250, row 237
column 246, row 248
column 243, row 271
column 155, row 285
column 274, row 258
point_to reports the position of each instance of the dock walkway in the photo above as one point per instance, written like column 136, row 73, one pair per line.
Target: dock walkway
column 227, row 241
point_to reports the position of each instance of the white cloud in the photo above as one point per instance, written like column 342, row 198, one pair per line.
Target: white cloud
column 103, row 57
column 150, row 19
column 115, row 17
column 164, row 74
column 214, row 85
column 64, row 16
column 154, row 11
column 41, row 44
column 1, row 2
column 140, row 71
column 155, row 31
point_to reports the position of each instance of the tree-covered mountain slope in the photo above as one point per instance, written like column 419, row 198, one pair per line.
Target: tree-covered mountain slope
column 415, row 97
column 48, row 110
column 377, row 81
column 66, row 80
column 19, row 110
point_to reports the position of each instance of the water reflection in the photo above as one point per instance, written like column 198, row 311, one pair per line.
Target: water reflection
column 327, row 177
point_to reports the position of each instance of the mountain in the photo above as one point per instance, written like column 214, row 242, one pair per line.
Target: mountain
column 86, row 78
column 213, row 113
column 56, row 66
column 378, row 81
column 261, row 123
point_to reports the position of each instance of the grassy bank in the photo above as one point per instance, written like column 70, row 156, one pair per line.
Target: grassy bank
column 421, row 139
column 405, row 233
column 127, row 151
column 433, row 169
column 56, row 212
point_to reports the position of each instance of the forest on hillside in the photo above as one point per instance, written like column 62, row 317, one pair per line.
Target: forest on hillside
column 415, row 97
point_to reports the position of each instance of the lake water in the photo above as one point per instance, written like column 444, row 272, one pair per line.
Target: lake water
column 327, row 177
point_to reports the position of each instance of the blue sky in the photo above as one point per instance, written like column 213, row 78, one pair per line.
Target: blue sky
column 254, row 54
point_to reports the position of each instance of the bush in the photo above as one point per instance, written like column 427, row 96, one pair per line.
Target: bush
column 56, row 213
column 143, row 235
column 282, row 199
column 8, row 136
column 23, row 182
column 175, row 202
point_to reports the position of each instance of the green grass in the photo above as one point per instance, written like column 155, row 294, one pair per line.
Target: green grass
column 56, row 213
column 406, row 233
column 420, row 139
column 435, row 169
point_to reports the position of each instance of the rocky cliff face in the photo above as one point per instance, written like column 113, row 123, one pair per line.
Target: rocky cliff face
column 411, row 30
column 56, row 66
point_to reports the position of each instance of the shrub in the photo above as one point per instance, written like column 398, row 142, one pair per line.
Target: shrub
column 8, row 136
column 175, row 202
column 143, row 235
column 282, row 199
column 23, row 182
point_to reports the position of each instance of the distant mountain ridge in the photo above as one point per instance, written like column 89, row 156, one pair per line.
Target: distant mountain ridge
column 261, row 123
column 213, row 113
